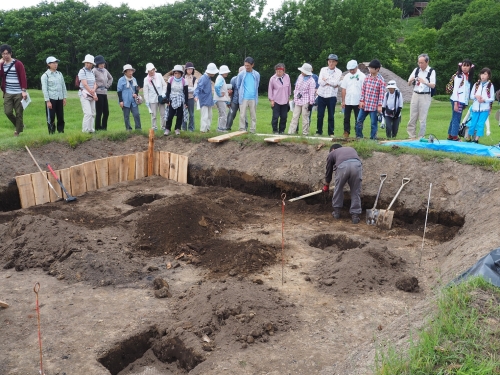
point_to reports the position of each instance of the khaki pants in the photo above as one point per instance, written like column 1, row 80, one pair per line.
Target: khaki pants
column 297, row 111
column 243, row 111
column 11, row 104
column 155, row 108
column 88, row 108
column 206, row 119
column 419, row 108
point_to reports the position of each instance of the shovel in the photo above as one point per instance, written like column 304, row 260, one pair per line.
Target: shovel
column 372, row 215
column 385, row 217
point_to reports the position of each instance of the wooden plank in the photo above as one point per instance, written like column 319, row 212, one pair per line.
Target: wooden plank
column 141, row 164
column 276, row 139
column 131, row 167
column 151, row 149
column 78, row 184
column 164, row 163
column 55, row 184
column 101, row 166
column 40, row 188
column 225, row 137
column 174, row 167
column 25, row 188
column 123, row 174
column 90, row 175
column 183, row 169
column 65, row 177
column 113, row 170
column 156, row 163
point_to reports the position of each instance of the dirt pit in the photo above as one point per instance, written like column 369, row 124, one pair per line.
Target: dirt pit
column 155, row 277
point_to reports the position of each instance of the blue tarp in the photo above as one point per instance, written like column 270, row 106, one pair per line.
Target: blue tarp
column 451, row 146
column 488, row 267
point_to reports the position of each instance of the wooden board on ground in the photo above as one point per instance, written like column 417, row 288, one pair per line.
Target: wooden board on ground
column 131, row 167
column 174, row 167
column 25, row 188
column 225, row 137
column 156, row 163
column 78, row 184
column 101, row 166
column 141, row 164
column 123, row 174
column 55, row 184
column 65, row 177
column 40, row 188
column 113, row 170
column 183, row 169
column 276, row 139
column 164, row 163
column 4, row 304
column 90, row 175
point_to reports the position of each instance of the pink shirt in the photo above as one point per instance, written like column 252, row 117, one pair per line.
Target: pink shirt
column 279, row 89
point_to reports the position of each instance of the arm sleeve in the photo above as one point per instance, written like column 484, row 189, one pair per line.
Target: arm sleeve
column 22, row 75
column 63, row 85
column 110, row 80
column 270, row 95
column 45, row 86
column 169, row 89
column 120, row 98
column 218, row 85
column 185, row 94
column 381, row 93
column 330, row 164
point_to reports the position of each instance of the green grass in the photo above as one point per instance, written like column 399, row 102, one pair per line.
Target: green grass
column 36, row 129
column 462, row 338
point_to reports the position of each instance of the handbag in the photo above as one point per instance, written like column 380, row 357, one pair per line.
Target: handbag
column 161, row 99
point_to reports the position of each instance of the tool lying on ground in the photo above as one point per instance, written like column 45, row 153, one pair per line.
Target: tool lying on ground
column 309, row 194
column 42, row 172
column 372, row 215
column 425, row 225
column 385, row 217
column 69, row 197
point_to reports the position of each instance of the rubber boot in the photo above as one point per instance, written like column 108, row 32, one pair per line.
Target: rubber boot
column 336, row 213
column 355, row 218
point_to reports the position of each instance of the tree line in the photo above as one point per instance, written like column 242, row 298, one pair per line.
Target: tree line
column 226, row 31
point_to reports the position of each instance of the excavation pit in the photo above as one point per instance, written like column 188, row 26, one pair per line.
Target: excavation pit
column 141, row 199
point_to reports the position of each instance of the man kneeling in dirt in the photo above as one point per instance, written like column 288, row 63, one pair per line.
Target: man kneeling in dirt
column 347, row 166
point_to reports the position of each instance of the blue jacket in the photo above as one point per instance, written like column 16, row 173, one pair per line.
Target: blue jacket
column 204, row 91
column 241, row 80
column 125, row 94
column 235, row 98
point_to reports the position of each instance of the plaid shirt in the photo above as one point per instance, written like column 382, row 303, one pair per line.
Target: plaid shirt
column 306, row 89
column 372, row 93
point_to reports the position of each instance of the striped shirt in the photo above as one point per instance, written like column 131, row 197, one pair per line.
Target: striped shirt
column 53, row 85
column 372, row 93
column 12, row 84
column 84, row 73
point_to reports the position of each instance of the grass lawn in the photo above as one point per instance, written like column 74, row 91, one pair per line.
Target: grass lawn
column 36, row 127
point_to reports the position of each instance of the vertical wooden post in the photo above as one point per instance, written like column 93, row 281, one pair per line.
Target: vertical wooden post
column 151, row 151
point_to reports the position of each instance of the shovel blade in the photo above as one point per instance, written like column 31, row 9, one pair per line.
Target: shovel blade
column 384, row 219
column 372, row 216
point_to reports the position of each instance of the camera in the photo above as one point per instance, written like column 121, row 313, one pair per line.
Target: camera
column 299, row 95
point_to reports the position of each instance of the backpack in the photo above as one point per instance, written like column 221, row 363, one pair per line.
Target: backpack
column 433, row 91
column 396, row 97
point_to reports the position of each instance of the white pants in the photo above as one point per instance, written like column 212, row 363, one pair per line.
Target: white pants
column 155, row 107
column 243, row 111
column 419, row 107
column 88, row 107
column 297, row 111
column 206, row 118
column 222, row 122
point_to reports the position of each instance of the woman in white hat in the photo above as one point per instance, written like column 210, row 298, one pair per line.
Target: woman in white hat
column 155, row 87
column 190, row 79
column 54, row 94
column 203, row 95
column 177, row 94
column 391, row 108
column 303, row 97
column 221, row 97
column 87, row 94
column 128, row 95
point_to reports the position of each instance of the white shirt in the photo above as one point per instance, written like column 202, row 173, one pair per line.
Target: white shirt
column 352, row 83
column 420, row 87
column 329, row 81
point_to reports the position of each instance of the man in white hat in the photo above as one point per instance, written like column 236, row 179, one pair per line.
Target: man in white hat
column 391, row 108
column 203, row 95
column 351, row 93
column 303, row 97
column 54, row 94
column 221, row 97
column 329, row 82
column 87, row 93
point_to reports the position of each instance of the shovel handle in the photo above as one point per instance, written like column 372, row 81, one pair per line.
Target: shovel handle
column 405, row 181
column 382, row 179
column 52, row 171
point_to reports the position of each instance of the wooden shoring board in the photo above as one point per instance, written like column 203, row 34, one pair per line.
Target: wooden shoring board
column 225, row 137
column 90, row 175
column 164, row 163
column 123, row 168
column 55, row 184
column 78, row 184
column 174, row 167
column 182, row 176
column 141, row 164
column 131, row 167
column 276, row 139
column 156, row 163
column 101, row 166
column 113, row 170
column 65, row 177
column 40, row 188
column 25, row 188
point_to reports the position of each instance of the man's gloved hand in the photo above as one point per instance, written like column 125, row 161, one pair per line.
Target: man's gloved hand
column 326, row 188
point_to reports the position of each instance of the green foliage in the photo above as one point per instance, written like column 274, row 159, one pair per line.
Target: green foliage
column 438, row 12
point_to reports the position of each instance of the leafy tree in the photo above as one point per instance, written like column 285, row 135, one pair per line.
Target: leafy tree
column 405, row 6
column 439, row 12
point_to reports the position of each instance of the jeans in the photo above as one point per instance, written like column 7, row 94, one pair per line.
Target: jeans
column 135, row 113
column 347, row 116
column 456, row 117
column 190, row 127
column 102, row 112
column 56, row 111
column 330, row 104
column 279, row 111
column 359, row 123
column 11, row 103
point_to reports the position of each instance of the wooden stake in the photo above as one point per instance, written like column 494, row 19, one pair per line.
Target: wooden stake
column 151, row 151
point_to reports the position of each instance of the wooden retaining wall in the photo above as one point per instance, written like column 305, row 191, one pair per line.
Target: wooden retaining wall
column 92, row 175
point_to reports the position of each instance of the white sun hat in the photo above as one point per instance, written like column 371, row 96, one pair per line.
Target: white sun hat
column 88, row 59
column 391, row 85
column 212, row 69
column 306, row 69
column 178, row 68
column 51, row 59
column 352, row 64
column 149, row 67
column 224, row 69
column 127, row 67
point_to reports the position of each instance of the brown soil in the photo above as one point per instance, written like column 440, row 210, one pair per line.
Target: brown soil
column 240, row 298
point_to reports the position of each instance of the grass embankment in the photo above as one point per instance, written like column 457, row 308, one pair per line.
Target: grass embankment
column 36, row 129
column 461, row 338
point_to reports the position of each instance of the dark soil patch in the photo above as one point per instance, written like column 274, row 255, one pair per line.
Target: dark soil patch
column 407, row 284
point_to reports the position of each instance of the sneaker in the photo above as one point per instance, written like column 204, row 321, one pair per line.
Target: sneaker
column 167, row 132
column 346, row 135
column 155, row 128
column 221, row 130
column 177, row 132
column 275, row 132
column 336, row 213
column 355, row 218
column 318, row 134
column 16, row 134
column 476, row 141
